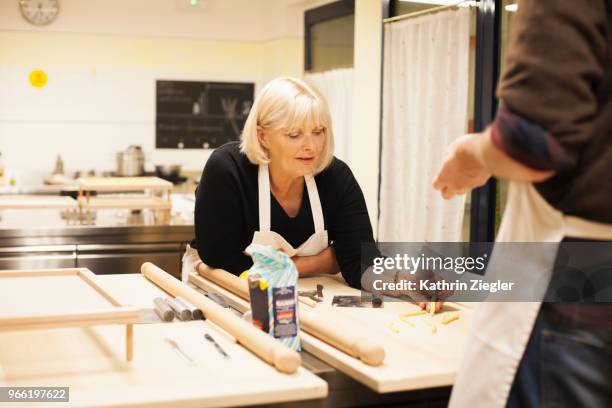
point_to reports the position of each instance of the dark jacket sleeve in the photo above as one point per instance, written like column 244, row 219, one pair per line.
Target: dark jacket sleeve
column 218, row 217
column 349, row 226
column 554, row 64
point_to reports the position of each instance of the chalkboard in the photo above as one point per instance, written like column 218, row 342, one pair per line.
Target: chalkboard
column 196, row 115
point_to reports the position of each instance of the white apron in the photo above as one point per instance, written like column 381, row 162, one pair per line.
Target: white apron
column 316, row 243
column 501, row 330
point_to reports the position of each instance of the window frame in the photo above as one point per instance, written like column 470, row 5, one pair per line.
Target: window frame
column 488, row 48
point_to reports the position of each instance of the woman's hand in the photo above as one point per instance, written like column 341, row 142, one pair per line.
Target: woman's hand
column 324, row 263
column 427, row 306
column 424, row 298
column 378, row 283
column 472, row 159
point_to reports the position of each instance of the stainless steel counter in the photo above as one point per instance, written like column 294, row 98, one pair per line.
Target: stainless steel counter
column 118, row 241
column 49, row 224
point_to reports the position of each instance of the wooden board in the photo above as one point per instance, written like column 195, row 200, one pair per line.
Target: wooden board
column 153, row 203
column 85, row 360
column 50, row 298
column 59, row 298
column 36, row 201
column 415, row 357
column 123, row 183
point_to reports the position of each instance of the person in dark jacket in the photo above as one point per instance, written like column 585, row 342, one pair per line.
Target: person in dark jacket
column 552, row 138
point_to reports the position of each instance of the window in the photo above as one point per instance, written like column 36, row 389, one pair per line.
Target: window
column 329, row 36
column 399, row 7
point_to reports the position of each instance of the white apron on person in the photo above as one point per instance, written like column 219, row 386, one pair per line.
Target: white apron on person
column 314, row 245
column 500, row 330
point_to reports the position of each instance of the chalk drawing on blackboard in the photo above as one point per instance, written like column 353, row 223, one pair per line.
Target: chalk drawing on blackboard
column 195, row 115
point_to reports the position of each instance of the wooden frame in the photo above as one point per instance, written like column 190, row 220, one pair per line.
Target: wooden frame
column 161, row 206
column 114, row 314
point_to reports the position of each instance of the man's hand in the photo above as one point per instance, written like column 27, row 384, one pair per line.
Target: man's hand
column 464, row 167
column 472, row 159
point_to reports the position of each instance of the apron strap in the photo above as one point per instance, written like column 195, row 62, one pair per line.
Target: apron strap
column 315, row 203
column 263, row 180
column 263, row 186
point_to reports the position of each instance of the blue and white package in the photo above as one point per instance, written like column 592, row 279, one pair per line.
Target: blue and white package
column 275, row 273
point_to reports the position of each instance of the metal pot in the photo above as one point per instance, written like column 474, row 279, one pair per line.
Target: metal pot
column 168, row 171
column 130, row 162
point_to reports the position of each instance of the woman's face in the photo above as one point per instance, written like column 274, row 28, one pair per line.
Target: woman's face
column 294, row 152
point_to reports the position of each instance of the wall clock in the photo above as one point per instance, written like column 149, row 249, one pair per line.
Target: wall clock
column 39, row 12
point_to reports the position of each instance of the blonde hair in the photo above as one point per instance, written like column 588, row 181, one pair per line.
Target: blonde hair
column 286, row 103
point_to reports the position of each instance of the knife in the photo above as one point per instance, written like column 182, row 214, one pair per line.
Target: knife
column 177, row 349
column 217, row 346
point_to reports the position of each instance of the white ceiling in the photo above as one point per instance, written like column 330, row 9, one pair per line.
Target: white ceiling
column 229, row 20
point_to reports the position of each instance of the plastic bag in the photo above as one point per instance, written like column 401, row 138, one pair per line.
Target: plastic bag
column 273, row 281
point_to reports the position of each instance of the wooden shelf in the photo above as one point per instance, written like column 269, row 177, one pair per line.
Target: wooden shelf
column 123, row 183
column 153, row 203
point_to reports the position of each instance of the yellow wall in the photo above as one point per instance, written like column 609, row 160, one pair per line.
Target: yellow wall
column 364, row 145
column 275, row 57
column 100, row 95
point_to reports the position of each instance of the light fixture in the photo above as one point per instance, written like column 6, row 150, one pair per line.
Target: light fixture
column 443, row 2
column 435, row 2
column 191, row 6
column 512, row 8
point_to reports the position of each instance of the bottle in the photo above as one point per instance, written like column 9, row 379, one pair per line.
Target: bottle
column 59, row 166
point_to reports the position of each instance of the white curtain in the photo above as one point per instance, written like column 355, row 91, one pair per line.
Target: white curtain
column 337, row 88
column 425, row 96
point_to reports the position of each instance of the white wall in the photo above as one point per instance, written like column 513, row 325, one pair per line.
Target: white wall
column 102, row 58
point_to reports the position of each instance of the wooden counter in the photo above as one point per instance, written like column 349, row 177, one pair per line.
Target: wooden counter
column 416, row 358
column 90, row 361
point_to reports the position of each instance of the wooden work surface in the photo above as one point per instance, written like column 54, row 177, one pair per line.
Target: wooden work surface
column 89, row 361
column 132, row 203
column 36, row 201
column 415, row 358
column 123, row 183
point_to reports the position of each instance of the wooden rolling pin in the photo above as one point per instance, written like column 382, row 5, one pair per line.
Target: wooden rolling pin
column 260, row 343
column 332, row 331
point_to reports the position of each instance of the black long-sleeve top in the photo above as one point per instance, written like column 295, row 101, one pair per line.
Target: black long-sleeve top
column 227, row 213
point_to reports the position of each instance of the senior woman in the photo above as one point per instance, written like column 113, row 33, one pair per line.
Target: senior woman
column 282, row 186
